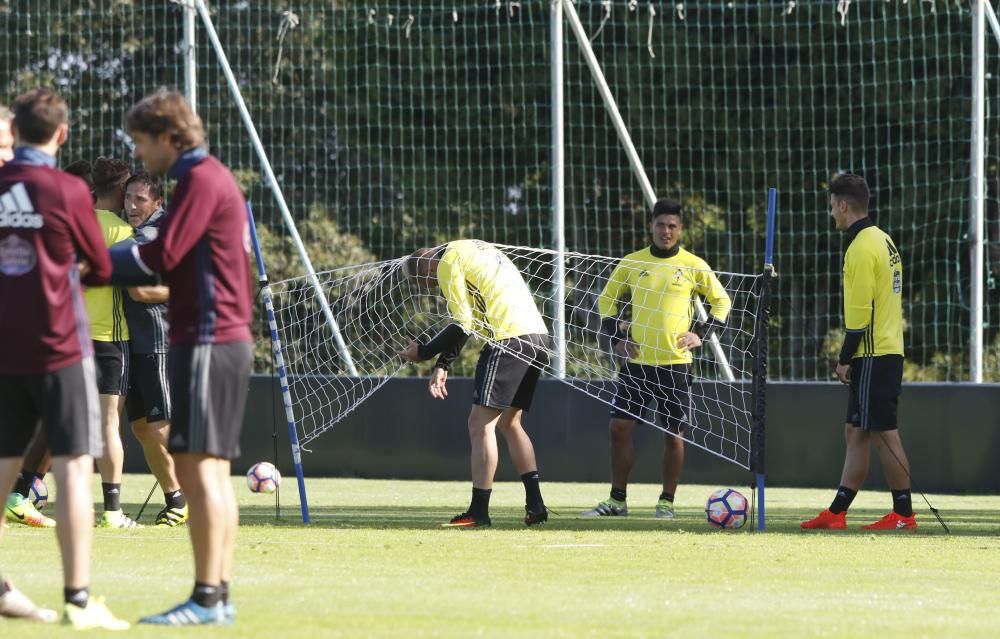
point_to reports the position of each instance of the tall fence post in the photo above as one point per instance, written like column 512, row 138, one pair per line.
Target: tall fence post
column 977, row 189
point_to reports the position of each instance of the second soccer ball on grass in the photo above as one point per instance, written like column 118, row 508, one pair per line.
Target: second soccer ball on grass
column 726, row 508
column 38, row 494
column 263, row 477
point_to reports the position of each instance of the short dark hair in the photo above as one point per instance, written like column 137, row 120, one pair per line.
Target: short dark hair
column 167, row 112
column 412, row 261
column 667, row 206
column 853, row 189
column 154, row 184
column 81, row 169
column 109, row 176
column 38, row 114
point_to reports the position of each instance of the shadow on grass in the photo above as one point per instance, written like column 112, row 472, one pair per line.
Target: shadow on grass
column 779, row 520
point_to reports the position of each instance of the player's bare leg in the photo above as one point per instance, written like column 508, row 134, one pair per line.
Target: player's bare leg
column 856, row 457
column 110, row 464
column 75, row 516
column 152, row 437
column 483, row 437
column 673, row 462
column 522, row 451
column 622, row 450
column 232, row 516
column 209, row 513
column 893, row 458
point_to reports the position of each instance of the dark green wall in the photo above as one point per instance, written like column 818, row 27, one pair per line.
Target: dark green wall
column 950, row 431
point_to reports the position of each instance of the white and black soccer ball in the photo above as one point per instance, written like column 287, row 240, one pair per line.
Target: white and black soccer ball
column 39, row 493
column 263, row 477
column 726, row 508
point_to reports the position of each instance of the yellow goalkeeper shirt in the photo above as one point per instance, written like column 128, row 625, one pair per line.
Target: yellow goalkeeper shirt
column 485, row 292
column 105, row 305
column 662, row 291
column 873, row 291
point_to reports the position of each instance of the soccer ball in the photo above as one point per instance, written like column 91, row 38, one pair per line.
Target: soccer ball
column 726, row 508
column 39, row 493
column 263, row 477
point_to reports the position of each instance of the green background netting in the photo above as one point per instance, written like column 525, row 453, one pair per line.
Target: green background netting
column 390, row 133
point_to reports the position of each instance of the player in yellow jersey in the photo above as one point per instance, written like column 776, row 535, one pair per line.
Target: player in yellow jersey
column 109, row 330
column 661, row 281
column 487, row 297
column 871, row 360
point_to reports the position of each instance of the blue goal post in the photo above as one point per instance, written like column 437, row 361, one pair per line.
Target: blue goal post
column 761, row 337
column 279, row 360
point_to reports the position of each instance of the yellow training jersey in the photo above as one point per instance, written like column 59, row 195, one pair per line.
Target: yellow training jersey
column 873, row 292
column 662, row 291
column 486, row 293
column 104, row 303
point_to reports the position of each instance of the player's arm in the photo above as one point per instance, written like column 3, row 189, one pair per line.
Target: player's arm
column 859, row 294
column 149, row 294
column 89, row 240
column 707, row 285
column 612, row 331
column 448, row 343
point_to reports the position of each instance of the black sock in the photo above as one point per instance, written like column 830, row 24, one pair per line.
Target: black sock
column 112, row 496
column 23, row 484
column 902, row 505
column 224, row 591
column 77, row 596
column 668, row 496
column 532, row 491
column 618, row 493
column 843, row 500
column 480, row 506
column 175, row 499
column 206, row 595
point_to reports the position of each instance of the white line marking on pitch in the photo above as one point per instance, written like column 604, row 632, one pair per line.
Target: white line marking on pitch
column 574, row 546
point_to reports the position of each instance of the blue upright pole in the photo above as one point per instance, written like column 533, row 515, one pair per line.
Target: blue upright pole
column 286, row 396
column 760, row 359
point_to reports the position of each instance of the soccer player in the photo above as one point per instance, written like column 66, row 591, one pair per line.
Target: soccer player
column 148, row 402
column 662, row 282
column 109, row 330
column 871, row 359
column 47, row 368
column 486, row 295
column 202, row 253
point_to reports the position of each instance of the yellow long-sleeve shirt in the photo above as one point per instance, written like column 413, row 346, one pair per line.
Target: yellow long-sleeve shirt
column 873, row 292
column 486, row 293
column 662, row 291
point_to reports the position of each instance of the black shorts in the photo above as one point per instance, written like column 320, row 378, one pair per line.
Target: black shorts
column 63, row 403
column 875, row 386
column 148, row 388
column 508, row 371
column 112, row 361
column 667, row 388
column 208, row 392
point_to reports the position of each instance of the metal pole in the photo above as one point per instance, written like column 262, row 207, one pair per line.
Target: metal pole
column 558, row 191
column 991, row 16
column 279, row 361
column 633, row 157
column 977, row 190
column 190, row 58
column 279, row 196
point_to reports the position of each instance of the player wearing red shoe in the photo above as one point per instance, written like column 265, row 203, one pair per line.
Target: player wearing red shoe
column 871, row 360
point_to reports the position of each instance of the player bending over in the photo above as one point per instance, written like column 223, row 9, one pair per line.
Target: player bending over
column 871, row 359
column 662, row 282
column 486, row 295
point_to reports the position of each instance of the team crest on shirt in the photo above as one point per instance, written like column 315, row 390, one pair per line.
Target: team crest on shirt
column 17, row 256
column 678, row 276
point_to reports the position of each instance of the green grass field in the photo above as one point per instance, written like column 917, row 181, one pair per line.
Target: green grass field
column 374, row 563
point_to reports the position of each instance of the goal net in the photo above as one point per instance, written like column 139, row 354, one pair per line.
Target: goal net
column 378, row 309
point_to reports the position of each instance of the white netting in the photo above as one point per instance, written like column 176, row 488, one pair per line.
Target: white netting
column 379, row 309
